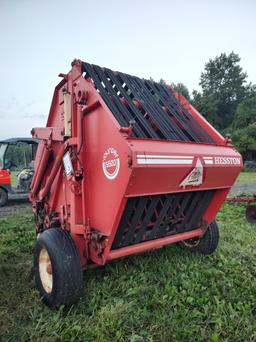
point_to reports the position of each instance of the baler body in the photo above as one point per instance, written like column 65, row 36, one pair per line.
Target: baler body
column 126, row 165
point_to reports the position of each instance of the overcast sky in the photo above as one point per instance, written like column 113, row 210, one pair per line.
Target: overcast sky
column 163, row 39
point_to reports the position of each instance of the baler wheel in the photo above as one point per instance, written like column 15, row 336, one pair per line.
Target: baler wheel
column 206, row 244
column 3, row 197
column 58, row 270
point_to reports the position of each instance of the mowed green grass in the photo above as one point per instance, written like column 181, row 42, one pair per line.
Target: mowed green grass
column 167, row 294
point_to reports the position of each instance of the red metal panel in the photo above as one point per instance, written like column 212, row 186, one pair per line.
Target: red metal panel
column 166, row 164
column 104, row 191
column 215, row 205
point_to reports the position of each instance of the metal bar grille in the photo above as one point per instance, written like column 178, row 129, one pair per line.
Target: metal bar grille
column 153, row 106
column 150, row 217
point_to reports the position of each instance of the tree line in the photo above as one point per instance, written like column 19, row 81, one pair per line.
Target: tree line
column 227, row 101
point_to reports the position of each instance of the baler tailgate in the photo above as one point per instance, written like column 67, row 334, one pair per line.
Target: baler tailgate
column 153, row 106
column 151, row 217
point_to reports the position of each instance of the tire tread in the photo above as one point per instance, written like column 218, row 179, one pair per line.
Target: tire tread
column 66, row 265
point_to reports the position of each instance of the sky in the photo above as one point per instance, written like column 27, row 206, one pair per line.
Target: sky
column 163, row 39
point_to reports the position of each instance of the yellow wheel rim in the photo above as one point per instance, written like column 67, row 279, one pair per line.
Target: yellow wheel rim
column 191, row 242
column 45, row 270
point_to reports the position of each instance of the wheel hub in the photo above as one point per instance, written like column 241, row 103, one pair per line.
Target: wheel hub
column 45, row 270
column 191, row 242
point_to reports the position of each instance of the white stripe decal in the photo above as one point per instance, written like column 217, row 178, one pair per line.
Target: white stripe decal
column 163, row 157
column 164, row 161
column 210, row 158
column 208, row 162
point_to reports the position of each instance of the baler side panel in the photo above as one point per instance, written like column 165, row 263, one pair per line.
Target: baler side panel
column 215, row 205
column 106, row 158
column 171, row 163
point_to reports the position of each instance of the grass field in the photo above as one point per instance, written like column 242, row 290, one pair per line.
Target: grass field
column 164, row 295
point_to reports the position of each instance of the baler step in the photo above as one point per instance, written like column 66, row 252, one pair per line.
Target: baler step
column 150, row 217
column 153, row 106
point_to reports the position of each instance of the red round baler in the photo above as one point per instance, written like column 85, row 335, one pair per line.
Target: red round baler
column 124, row 165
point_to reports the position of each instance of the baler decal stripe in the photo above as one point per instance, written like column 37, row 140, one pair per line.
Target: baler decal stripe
column 164, row 161
column 162, row 157
column 147, row 159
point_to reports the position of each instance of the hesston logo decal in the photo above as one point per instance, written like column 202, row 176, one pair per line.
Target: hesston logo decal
column 150, row 159
column 195, row 177
column 227, row 160
column 111, row 163
column 222, row 160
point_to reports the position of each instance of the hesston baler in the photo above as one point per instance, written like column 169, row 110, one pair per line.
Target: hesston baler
column 124, row 165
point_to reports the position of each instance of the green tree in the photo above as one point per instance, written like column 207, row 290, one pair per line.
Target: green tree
column 245, row 114
column 223, row 84
column 245, row 141
column 162, row 81
column 182, row 89
column 244, row 128
column 207, row 106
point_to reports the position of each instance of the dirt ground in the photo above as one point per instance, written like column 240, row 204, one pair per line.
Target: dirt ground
column 15, row 204
column 244, row 187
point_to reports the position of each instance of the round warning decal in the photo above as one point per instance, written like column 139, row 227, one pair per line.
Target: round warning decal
column 111, row 163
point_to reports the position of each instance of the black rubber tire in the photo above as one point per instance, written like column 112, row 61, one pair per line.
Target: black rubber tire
column 67, row 275
column 207, row 244
column 250, row 213
column 3, row 197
